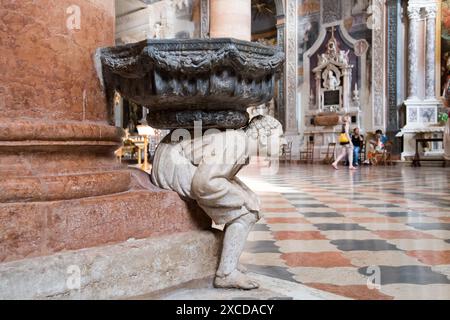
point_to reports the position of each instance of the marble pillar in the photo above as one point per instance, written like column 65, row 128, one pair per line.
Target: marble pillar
column 231, row 19
column 53, row 102
column 413, row 51
column 430, row 55
column 62, row 188
column 394, row 60
column 421, row 103
column 378, row 67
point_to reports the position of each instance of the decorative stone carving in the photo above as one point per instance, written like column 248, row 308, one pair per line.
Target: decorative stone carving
column 280, row 111
column 392, row 28
column 331, row 81
column 204, row 18
column 361, row 47
column 360, row 6
column 157, row 30
column 212, row 81
column 204, row 169
column 378, row 66
column 181, row 81
column 342, row 57
column 332, row 66
column 291, row 72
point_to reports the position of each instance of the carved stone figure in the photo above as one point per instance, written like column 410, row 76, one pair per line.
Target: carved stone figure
column 158, row 28
column 211, row 81
column 323, row 59
column 343, row 57
column 331, row 82
column 359, row 7
column 204, row 169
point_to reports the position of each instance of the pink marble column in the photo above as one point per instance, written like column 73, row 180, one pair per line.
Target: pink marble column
column 231, row 18
column 61, row 187
column 55, row 139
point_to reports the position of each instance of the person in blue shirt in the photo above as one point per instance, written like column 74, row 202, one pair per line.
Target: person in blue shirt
column 381, row 139
column 378, row 145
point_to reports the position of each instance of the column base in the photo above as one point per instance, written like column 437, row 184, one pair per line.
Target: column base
column 44, row 228
column 119, row 271
column 50, row 161
column 410, row 133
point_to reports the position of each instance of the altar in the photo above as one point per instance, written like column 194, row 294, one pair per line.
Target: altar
column 334, row 86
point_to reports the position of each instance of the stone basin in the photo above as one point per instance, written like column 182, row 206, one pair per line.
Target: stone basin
column 182, row 81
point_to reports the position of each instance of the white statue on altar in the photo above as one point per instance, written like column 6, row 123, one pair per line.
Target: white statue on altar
column 323, row 59
column 157, row 30
column 204, row 169
column 343, row 57
column 331, row 82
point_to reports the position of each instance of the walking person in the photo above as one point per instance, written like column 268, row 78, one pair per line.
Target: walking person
column 346, row 144
column 358, row 141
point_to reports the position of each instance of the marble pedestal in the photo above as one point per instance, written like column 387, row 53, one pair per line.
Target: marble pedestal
column 421, row 117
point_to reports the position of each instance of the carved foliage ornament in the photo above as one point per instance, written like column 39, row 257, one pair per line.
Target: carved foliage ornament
column 137, row 59
column 182, row 81
column 291, row 65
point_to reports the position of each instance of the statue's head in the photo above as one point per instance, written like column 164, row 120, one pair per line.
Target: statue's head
column 266, row 136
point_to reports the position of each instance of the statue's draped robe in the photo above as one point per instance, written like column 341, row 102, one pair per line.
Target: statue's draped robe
column 204, row 169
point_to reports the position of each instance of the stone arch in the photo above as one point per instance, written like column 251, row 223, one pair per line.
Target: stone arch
column 279, row 4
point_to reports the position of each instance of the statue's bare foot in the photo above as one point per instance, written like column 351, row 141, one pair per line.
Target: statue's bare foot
column 242, row 268
column 236, row 280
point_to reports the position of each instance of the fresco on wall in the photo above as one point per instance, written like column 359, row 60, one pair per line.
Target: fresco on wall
column 354, row 12
column 264, row 22
column 308, row 30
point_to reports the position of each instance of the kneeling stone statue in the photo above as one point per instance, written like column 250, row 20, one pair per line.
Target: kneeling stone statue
column 204, row 169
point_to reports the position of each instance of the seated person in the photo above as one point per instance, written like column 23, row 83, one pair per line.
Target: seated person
column 377, row 146
column 358, row 142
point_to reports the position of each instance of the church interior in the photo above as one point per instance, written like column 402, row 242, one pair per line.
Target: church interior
column 225, row 149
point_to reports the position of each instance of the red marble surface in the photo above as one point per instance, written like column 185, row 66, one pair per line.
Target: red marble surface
column 47, row 68
column 61, row 187
column 42, row 228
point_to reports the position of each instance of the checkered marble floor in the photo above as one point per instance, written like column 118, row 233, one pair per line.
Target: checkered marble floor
column 376, row 233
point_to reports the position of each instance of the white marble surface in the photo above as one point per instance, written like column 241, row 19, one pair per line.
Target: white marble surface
column 270, row 288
